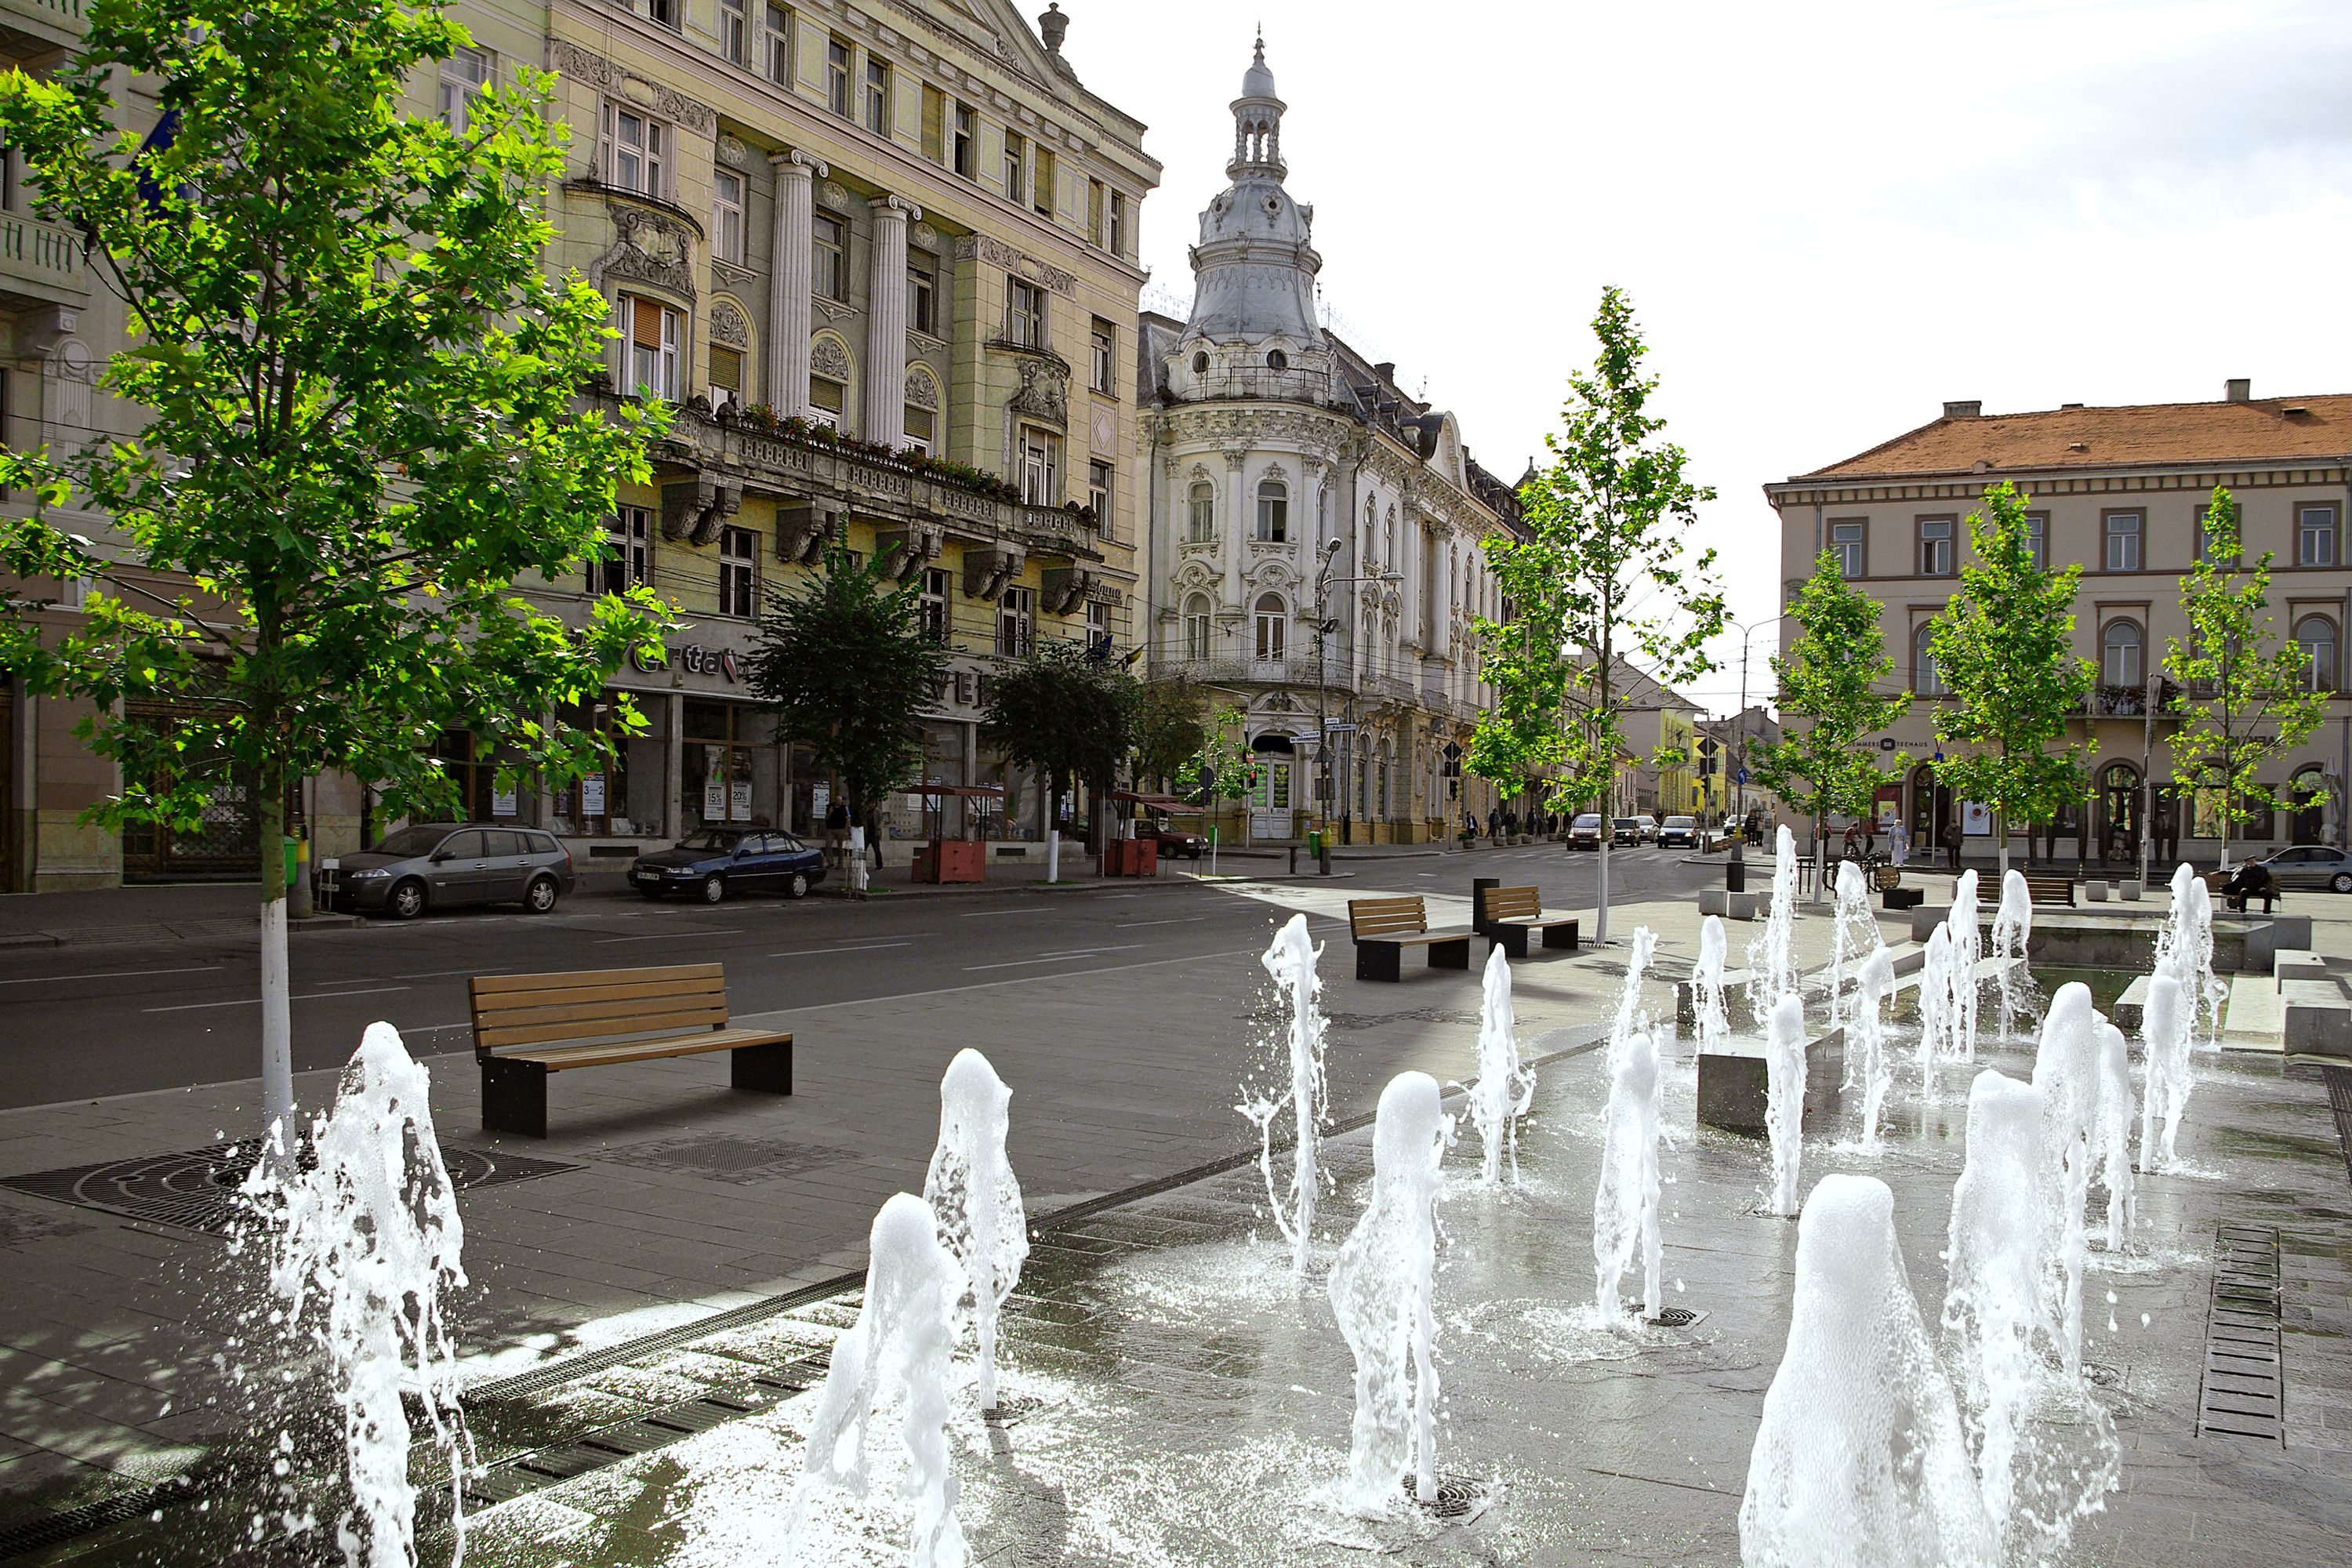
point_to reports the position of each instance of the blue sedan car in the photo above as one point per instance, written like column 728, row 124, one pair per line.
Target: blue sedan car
column 717, row 861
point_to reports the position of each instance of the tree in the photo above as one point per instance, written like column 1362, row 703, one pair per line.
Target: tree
column 1064, row 714
column 2258, row 702
column 1170, row 727
column 1599, row 573
column 1833, row 674
column 2004, row 651
column 848, row 667
column 358, row 382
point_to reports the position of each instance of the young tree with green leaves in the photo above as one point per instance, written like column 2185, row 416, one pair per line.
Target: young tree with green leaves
column 1068, row 717
column 849, row 669
column 2004, row 651
column 357, row 380
column 1600, row 574
column 1835, row 676
column 1170, row 727
column 2251, row 702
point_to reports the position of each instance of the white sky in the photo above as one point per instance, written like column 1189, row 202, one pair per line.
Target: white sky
column 1831, row 218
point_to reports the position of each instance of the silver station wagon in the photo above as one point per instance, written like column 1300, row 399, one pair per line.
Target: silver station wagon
column 449, row 865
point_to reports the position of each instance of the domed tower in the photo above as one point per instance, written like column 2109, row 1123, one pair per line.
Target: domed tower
column 1254, row 268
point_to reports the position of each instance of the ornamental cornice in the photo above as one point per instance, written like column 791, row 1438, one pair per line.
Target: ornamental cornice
column 568, row 59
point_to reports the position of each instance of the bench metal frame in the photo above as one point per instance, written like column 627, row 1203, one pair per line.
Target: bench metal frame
column 603, row 1017
column 1384, row 928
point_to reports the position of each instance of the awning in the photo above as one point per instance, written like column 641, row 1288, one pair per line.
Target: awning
column 956, row 789
column 1157, row 802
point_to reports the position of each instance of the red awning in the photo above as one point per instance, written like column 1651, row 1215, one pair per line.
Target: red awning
column 1157, row 802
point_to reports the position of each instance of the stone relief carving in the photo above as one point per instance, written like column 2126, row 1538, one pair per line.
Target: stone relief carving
column 923, row 236
column 832, row 195
column 648, row 247
column 729, row 325
column 827, row 357
column 923, row 391
column 1045, row 392
column 996, row 253
column 731, row 152
column 569, row 59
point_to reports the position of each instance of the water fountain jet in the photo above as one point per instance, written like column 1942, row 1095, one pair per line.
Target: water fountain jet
column 1784, row 1104
column 1291, row 959
column 1505, row 1088
column 976, row 1199
column 1625, row 1204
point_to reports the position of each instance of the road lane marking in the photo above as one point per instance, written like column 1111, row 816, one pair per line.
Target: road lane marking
column 674, row 935
column 255, row 1001
column 112, row 974
column 1054, row 957
column 982, row 914
column 1179, row 921
column 812, row 952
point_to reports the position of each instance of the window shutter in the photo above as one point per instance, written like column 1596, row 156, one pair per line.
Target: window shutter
column 645, row 329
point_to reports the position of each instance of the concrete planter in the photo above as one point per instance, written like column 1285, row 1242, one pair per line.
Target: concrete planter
column 1734, row 1084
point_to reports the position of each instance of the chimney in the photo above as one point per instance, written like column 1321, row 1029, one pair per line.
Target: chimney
column 1052, row 26
column 1971, row 409
column 1386, row 371
column 2238, row 389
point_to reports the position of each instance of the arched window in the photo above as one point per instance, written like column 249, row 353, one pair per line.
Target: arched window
column 1200, row 523
column 2119, row 654
column 1273, row 626
column 1925, row 680
column 1389, row 555
column 2315, row 634
column 1273, row 509
column 1196, row 626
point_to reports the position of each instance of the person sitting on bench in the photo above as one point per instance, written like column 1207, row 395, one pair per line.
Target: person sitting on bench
column 2250, row 881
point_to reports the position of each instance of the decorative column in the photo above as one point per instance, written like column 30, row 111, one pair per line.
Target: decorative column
column 792, row 279
column 1240, row 525
column 886, row 322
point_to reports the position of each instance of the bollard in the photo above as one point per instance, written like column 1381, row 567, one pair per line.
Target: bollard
column 1294, row 859
column 1735, row 871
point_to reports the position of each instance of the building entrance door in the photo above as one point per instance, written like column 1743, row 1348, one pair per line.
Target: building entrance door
column 1270, row 809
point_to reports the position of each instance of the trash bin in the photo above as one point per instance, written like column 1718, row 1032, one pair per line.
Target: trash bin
column 1478, row 886
column 290, row 872
column 1735, row 871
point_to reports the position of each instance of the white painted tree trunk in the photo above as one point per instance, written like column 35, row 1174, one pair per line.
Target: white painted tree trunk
column 277, row 1027
column 1600, row 911
column 857, row 860
column 1053, row 855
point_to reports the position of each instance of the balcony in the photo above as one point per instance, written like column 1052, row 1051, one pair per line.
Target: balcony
column 1297, row 671
column 40, row 264
column 31, row 28
column 2131, row 702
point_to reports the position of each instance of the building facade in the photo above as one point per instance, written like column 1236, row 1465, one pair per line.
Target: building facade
column 2120, row 491
column 881, row 261
column 1317, row 534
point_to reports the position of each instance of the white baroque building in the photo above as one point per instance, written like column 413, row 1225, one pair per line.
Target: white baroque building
column 1315, row 547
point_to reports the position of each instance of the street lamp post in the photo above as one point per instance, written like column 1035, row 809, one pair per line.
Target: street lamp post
column 1327, row 793
column 1739, row 738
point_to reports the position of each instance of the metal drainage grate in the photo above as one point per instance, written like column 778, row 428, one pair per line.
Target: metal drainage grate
column 1458, row 1499
column 2339, row 1099
column 2243, row 1393
column 1677, row 1318
column 195, row 1189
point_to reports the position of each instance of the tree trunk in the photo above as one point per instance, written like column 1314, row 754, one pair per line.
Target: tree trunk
column 277, row 1021
column 2001, row 826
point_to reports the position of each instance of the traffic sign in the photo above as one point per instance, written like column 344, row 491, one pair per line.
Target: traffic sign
column 1743, row 776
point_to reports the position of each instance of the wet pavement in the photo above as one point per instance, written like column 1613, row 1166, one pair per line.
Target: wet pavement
column 1174, row 1395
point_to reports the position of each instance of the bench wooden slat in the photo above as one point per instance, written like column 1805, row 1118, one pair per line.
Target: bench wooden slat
column 573, row 980
column 493, row 1037
column 1510, row 903
column 554, row 1008
column 1386, row 917
column 621, row 995
column 606, row 1053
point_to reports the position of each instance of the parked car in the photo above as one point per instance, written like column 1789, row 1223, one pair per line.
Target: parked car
column 717, row 861
column 1681, row 830
column 1174, row 840
column 2310, row 866
column 1626, row 831
column 1649, row 830
column 447, row 865
column 1584, row 833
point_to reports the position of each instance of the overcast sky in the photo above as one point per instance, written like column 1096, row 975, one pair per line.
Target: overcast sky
column 1831, row 218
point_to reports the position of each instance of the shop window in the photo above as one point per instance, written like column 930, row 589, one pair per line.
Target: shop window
column 596, row 804
column 1016, row 622
column 627, row 559
column 738, row 572
column 727, row 772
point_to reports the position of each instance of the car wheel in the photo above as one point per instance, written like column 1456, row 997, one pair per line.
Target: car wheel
column 540, row 897
column 714, row 889
column 406, row 900
column 2343, row 882
column 798, row 886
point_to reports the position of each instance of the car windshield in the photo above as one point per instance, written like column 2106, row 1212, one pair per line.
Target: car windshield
column 421, row 839
column 1678, row 822
column 1628, row 821
column 1588, row 822
column 711, row 838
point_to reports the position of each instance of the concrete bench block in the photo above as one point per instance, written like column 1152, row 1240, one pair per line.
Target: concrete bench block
column 2095, row 892
column 2317, row 1020
column 1731, row 906
column 1734, row 1085
column 2130, row 892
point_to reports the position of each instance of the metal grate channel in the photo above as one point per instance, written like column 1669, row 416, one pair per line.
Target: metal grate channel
column 2339, row 1099
column 2243, row 1393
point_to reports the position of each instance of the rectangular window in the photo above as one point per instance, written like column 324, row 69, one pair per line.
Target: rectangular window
column 629, row 558
column 655, row 332
column 1934, row 547
column 635, row 151
column 1104, row 341
column 919, row 428
column 779, row 46
column 964, row 149
column 935, row 124
column 827, row 399
column 1847, row 542
column 727, row 216
column 1098, row 493
column 1115, row 237
column 2314, row 536
column 837, row 77
column 1201, row 521
column 726, row 375
column 2206, row 550
column 2037, row 539
column 831, row 260
column 933, row 603
column 1016, row 614
column 1024, row 313
column 735, row 30
column 1097, row 211
column 1040, row 467
column 463, row 75
column 878, row 96
column 738, row 572
column 1041, row 183
column 1099, row 626
column 922, row 299
column 1016, row 167
column 2122, row 541
column 663, row 12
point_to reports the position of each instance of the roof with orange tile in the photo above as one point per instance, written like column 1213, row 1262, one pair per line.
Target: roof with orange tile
column 2264, row 429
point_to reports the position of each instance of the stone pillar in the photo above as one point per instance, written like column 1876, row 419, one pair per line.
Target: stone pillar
column 1241, row 525
column 886, row 322
column 792, row 278
column 673, row 825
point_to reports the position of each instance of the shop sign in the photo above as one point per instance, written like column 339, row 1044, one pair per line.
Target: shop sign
column 961, row 688
column 591, row 795
column 1976, row 818
column 692, row 658
column 739, row 801
column 502, row 803
column 820, row 800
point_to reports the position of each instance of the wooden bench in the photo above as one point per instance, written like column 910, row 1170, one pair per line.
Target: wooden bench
column 2051, row 890
column 1513, row 913
column 616, row 1016
column 1384, row 928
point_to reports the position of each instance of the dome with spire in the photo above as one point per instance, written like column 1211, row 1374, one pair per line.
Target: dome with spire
column 1258, row 81
column 1255, row 266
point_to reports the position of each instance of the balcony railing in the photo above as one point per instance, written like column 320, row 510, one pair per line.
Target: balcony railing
column 41, row 259
column 1294, row 670
column 49, row 15
column 2131, row 702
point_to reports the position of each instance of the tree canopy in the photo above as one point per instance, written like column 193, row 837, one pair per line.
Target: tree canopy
column 1064, row 713
column 1835, row 676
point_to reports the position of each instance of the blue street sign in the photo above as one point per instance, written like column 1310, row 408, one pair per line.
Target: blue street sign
column 1743, row 776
